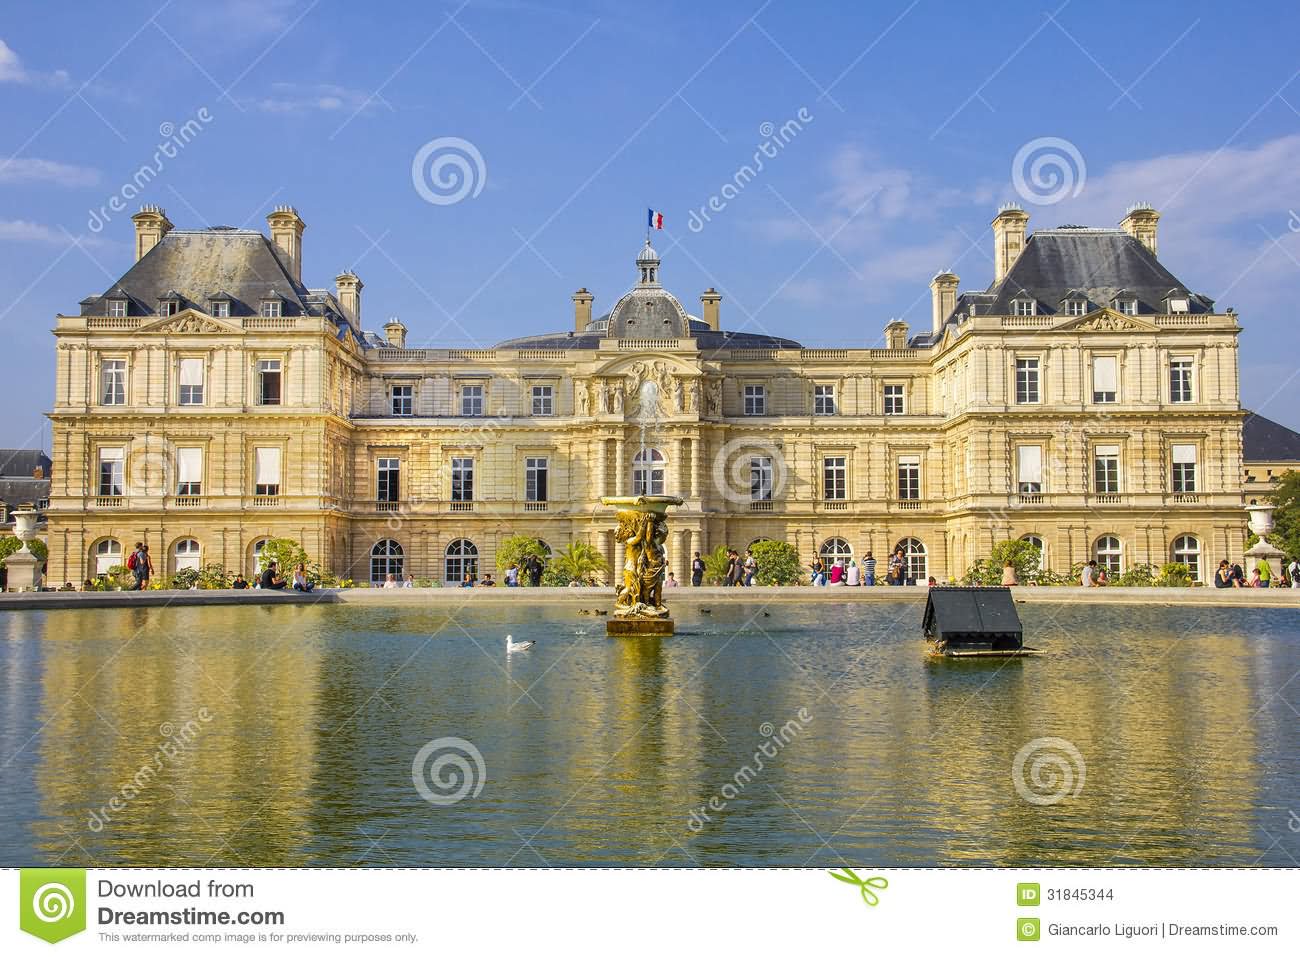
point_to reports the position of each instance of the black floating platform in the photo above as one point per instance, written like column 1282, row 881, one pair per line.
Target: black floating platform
column 973, row 622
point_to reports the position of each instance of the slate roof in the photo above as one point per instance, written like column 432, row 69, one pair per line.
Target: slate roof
column 22, row 463
column 708, row 339
column 1264, row 440
column 15, row 492
column 198, row 265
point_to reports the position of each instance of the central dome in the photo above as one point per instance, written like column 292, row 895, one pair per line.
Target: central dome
column 648, row 312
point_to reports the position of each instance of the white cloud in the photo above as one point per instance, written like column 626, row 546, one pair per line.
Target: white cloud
column 19, row 170
column 13, row 71
column 316, row 97
column 22, row 231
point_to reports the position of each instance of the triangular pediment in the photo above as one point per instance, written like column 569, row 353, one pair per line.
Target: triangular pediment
column 1107, row 320
column 190, row 321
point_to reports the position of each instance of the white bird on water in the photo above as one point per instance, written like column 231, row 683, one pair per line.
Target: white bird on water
column 513, row 646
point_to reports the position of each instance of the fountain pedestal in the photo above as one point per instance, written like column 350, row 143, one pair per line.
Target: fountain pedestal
column 639, row 609
column 22, row 568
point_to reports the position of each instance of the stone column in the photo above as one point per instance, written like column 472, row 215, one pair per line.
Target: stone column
column 699, row 485
column 676, row 472
column 609, row 548
column 681, row 558
column 620, row 465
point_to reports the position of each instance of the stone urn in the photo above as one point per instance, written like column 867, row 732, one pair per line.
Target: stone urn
column 1261, row 523
column 1261, row 519
column 22, row 568
column 642, row 529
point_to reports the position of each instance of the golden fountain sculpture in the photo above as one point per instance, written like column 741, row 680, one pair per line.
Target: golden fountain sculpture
column 639, row 609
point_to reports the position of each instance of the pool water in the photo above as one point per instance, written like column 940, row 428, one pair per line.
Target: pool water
column 791, row 734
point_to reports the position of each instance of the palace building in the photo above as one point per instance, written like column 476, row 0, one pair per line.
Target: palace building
column 209, row 400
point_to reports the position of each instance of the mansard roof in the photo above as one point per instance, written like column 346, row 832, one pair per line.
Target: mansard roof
column 1097, row 263
column 22, row 463
column 1264, row 440
column 199, row 265
column 706, row 338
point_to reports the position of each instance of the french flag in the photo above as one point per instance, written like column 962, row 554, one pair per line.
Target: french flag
column 654, row 219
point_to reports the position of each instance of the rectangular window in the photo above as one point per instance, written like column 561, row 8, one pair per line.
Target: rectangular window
column 834, row 477
column 1029, row 469
column 168, row 307
column 1022, row 307
column 388, row 475
column 266, row 476
column 535, row 479
column 755, row 400
column 221, row 308
column 112, row 380
column 894, row 400
column 462, row 480
column 1177, row 305
column 1184, row 468
column 403, row 400
column 760, row 478
column 471, row 400
column 823, row 400
column 1076, row 307
column 270, row 308
column 1180, row 379
column 909, row 477
column 1127, row 306
column 117, row 308
column 1105, row 469
column 112, row 471
column 268, row 381
column 1027, row 381
column 191, row 382
column 1105, row 378
column 189, row 471
column 543, row 400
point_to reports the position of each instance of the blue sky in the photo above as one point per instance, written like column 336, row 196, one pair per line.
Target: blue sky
column 585, row 113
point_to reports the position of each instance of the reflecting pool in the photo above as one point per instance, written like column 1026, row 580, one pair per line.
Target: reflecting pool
column 817, row 734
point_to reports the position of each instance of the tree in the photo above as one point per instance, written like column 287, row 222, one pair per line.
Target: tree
column 715, row 566
column 513, row 551
column 1174, row 575
column 778, row 563
column 12, row 543
column 1024, row 558
column 286, row 553
column 578, row 562
column 1286, row 535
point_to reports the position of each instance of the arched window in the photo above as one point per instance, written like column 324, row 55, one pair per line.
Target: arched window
column 1109, row 554
column 255, row 557
column 108, row 553
column 836, row 551
column 461, row 560
column 916, row 565
column 1042, row 549
column 385, row 560
column 648, row 472
column 185, row 554
column 1187, row 549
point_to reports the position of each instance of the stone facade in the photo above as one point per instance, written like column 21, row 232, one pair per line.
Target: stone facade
column 203, row 412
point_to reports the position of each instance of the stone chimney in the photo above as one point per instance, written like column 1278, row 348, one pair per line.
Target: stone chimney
column 349, row 286
column 395, row 333
column 151, row 225
column 943, row 298
column 286, row 232
column 1140, row 223
column 582, row 301
column 896, row 335
column 1008, row 238
column 710, row 301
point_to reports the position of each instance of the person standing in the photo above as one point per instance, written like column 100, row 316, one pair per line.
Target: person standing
column 751, row 567
column 141, row 566
column 1265, row 573
column 869, row 570
column 1294, row 570
column 697, row 571
column 512, row 576
column 534, row 571
column 896, row 567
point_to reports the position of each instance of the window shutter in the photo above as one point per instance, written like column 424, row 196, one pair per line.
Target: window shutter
column 1105, row 375
column 268, row 465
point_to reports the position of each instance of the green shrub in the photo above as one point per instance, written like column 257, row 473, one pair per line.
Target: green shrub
column 514, row 549
column 715, row 566
column 778, row 563
column 1174, row 575
column 1139, row 576
column 12, row 543
column 1024, row 557
column 578, row 562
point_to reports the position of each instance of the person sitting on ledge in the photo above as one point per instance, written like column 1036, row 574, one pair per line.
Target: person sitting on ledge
column 487, row 581
column 1009, row 574
column 300, row 582
column 240, row 581
column 670, row 581
column 87, row 585
column 271, row 577
column 468, row 582
column 1223, row 575
column 390, row 581
column 408, row 582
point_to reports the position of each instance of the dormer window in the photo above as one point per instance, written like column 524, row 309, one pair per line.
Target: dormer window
column 220, row 308
column 1127, row 306
column 1076, row 307
column 168, row 307
column 271, row 309
column 117, row 308
column 1178, row 304
column 1022, row 307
